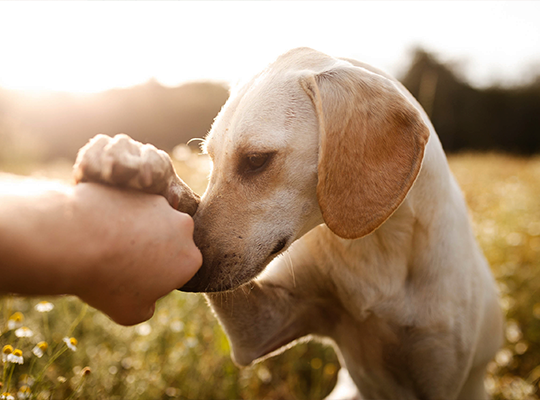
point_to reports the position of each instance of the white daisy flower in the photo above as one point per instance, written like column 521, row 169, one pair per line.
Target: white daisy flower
column 71, row 343
column 6, row 351
column 16, row 357
column 6, row 396
column 44, row 306
column 143, row 329
column 24, row 393
column 24, row 332
column 15, row 321
column 26, row 380
column 40, row 349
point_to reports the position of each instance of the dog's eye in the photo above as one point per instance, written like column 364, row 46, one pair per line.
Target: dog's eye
column 255, row 162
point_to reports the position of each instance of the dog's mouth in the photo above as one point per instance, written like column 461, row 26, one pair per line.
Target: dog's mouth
column 280, row 245
column 213, row 276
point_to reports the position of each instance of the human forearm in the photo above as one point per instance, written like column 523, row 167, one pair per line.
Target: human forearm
column 37, row 237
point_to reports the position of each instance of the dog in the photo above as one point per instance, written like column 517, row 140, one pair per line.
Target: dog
column 334, row 165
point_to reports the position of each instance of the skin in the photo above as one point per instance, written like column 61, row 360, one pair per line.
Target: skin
column 117, row 250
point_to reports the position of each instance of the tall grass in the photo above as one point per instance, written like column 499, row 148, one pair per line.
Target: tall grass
column 182, row 352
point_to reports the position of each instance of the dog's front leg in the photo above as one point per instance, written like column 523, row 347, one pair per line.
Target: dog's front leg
column 262, row 317
column 124, row 162
column 259, row 318
column 272, row 311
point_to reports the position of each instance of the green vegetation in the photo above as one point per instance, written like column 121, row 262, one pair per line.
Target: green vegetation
column 182, row 352
column 503, row 193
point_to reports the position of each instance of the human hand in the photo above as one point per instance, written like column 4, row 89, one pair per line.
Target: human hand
column 119, row 250
column 145, row 250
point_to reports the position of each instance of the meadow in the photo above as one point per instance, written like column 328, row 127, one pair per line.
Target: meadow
column 183, row 353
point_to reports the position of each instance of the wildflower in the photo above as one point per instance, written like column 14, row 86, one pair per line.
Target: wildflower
column 16, row 357
column 26, row 380
column 191, row 342
column 15, row 321
column 24, row 393
column 71, row 343
column 144, row 329
column 61, row 379
column 6, row 351
column 24, row 332
column 6, row 396
column 177, row 326
column 44, row 306
column 40, row 349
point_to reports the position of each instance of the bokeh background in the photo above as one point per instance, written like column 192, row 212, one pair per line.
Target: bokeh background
column 160, row 72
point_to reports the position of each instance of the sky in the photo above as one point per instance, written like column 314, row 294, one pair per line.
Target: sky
column 95, row 46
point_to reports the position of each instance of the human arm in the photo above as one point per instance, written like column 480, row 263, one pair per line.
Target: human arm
column 117, row 250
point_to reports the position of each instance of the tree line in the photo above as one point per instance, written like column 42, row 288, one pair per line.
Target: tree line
column 57, row 125
column 466, row 118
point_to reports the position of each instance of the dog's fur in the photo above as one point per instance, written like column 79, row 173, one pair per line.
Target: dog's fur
column 336, row 164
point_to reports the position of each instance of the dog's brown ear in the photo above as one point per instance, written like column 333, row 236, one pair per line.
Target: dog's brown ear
column 371, row 147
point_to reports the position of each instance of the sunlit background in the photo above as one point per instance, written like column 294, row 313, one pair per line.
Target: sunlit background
column 161, row 71
column 93, row 46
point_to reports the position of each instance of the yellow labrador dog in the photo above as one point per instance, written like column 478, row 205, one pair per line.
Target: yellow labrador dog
column 333, row 164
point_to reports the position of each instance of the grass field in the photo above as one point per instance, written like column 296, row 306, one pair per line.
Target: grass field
column 182, row 353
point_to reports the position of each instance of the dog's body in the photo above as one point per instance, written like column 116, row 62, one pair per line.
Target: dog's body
column 336, row 163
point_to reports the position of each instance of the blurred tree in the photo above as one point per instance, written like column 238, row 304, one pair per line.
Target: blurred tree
column 496, row 118
column 58, row 124
column 149, row 113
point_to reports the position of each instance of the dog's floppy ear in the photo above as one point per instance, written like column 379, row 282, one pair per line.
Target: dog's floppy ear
column 371, row 147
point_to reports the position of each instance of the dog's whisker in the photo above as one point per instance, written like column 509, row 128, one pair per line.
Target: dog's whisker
column 290, row 266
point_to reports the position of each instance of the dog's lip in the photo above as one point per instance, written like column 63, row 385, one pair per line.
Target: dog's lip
column 197, row 283
column 191, row 286
column 280, row 245
column 200, row 283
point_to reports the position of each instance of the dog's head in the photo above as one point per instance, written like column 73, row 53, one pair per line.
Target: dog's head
column 311, row 139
